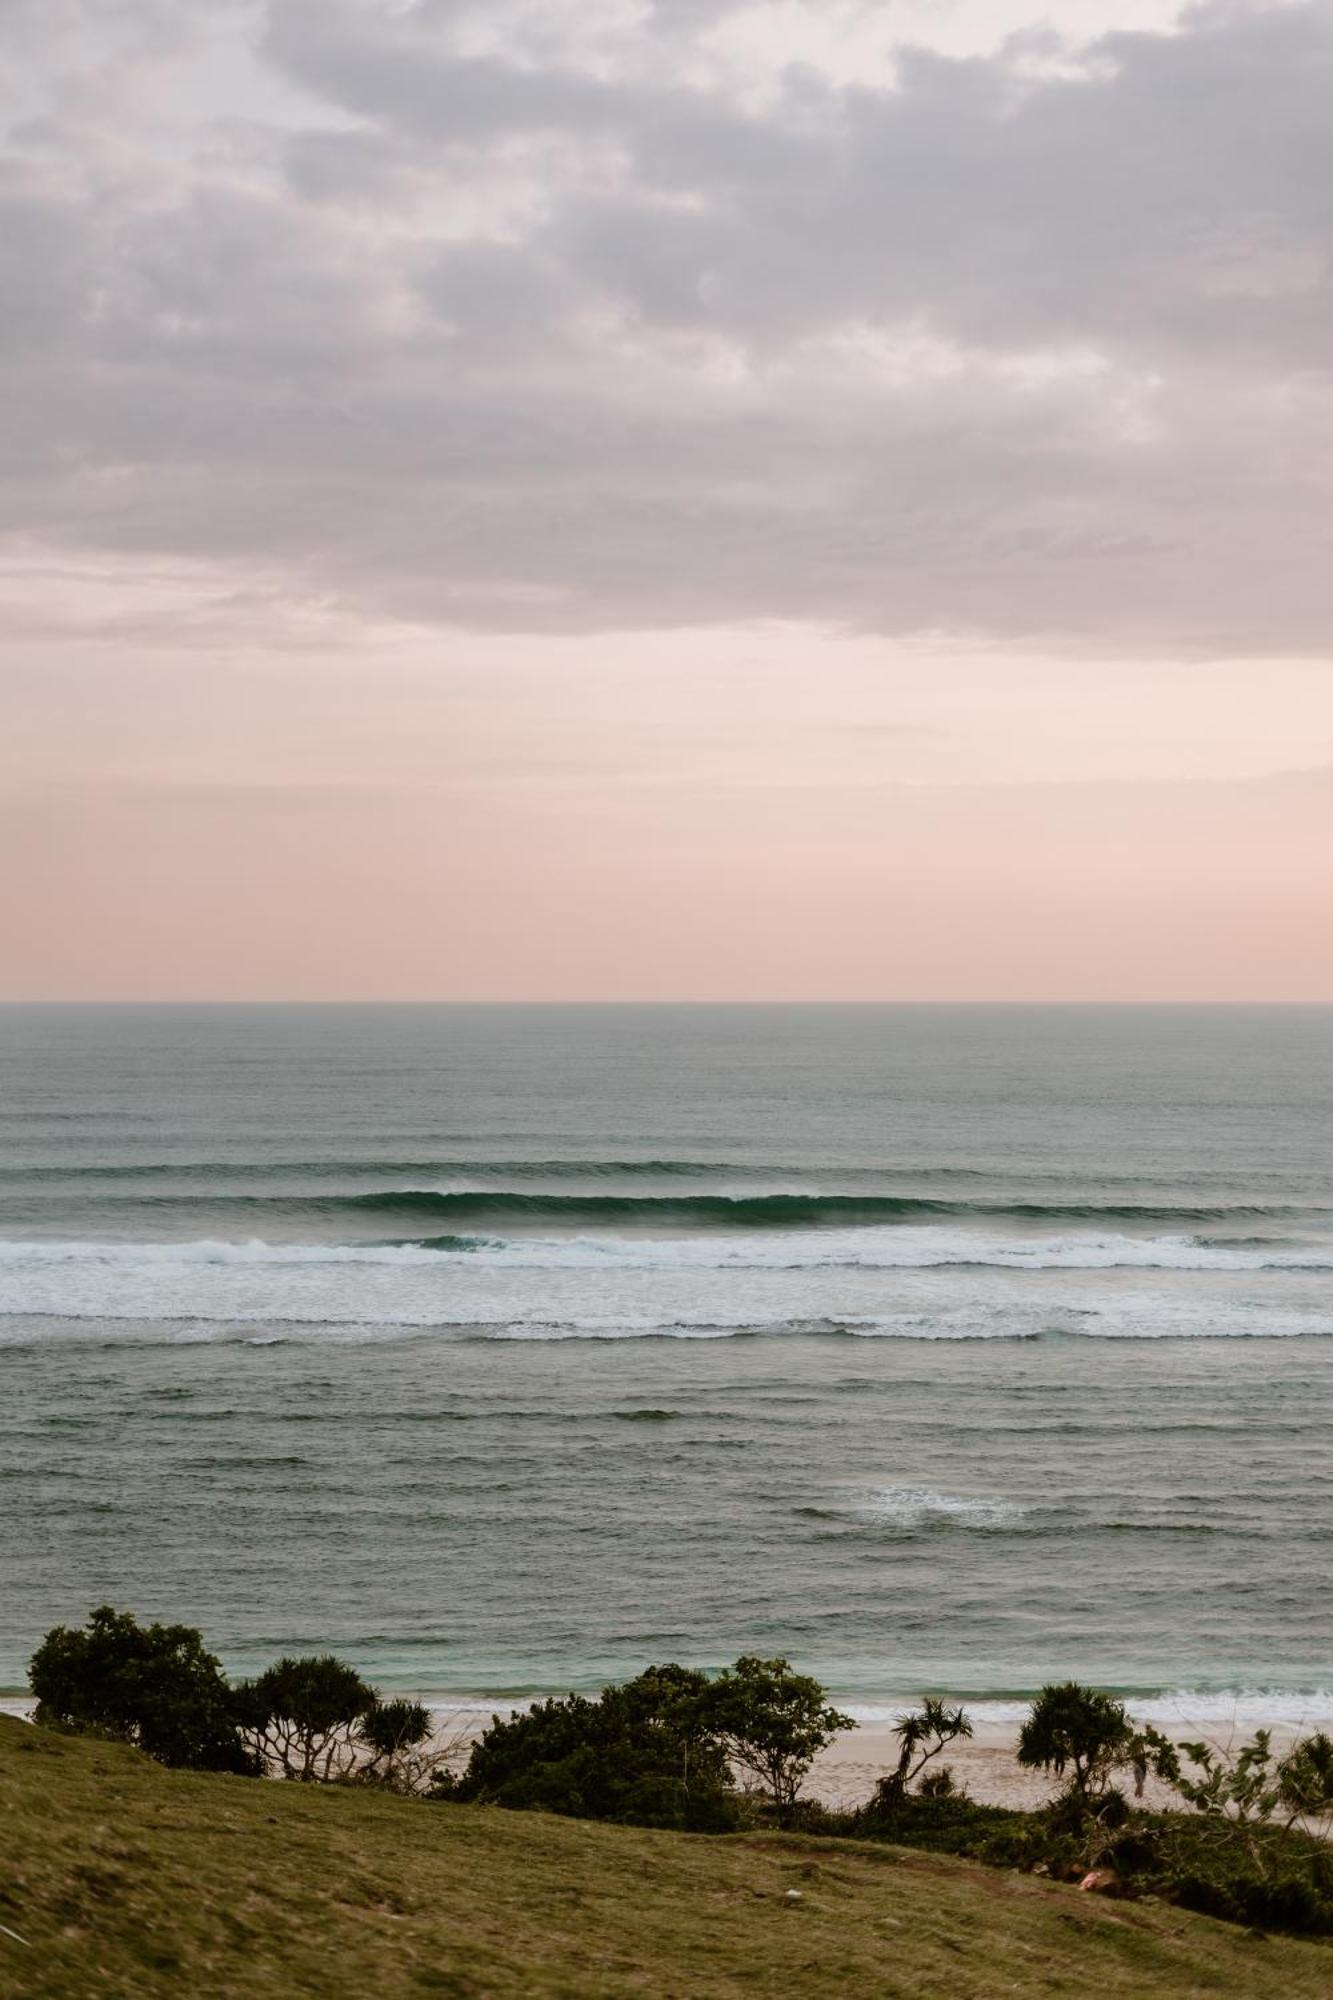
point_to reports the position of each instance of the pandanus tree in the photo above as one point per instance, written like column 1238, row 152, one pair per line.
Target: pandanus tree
column 302, row 1717
column 1075, row 1729
column 923, row 1734
column 1089, row 1734
column 391, row 1736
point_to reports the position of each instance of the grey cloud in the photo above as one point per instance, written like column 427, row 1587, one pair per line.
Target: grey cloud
column 381, row 65
column 1043, row 356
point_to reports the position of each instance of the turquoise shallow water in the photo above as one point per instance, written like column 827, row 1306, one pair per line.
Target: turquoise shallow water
column 510, row 1348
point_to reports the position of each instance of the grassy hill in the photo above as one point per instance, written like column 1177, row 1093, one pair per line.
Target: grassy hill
column 128, row 1881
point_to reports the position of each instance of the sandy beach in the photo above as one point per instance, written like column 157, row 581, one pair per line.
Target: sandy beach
column 847, row 1772
column 985, row 1765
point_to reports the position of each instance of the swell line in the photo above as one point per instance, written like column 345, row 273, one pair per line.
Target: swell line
column 786, row 1210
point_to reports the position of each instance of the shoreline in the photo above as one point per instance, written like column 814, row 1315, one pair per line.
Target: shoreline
column 985, row 1766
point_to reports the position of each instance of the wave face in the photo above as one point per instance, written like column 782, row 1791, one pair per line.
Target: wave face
column 501, row 1208
column 507, row 1349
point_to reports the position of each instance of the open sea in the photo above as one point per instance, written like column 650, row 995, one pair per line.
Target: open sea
column 505, row 1349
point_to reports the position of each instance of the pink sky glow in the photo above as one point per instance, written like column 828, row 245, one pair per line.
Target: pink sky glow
column 609, row 500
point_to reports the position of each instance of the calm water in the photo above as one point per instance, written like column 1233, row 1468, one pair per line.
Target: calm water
column 506, row 1348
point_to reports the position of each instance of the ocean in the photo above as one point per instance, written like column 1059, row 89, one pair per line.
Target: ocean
column 504, row 1349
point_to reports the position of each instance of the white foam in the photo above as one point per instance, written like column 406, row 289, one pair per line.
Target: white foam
column 878, row 1248
column 1177, row 1710
column 130, row 1256
column 910, row 1507
column 895, row 1248
column 618, row 1289
column 1221, row 1718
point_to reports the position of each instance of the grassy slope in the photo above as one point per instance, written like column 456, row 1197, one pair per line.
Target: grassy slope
column 127, row 1880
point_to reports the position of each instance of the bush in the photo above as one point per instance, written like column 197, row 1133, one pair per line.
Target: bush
column 1240, row 1787
column 391, row 1735
column 773, row 1722
column 1088, row 1733
column 643, row 1754
column 947, row 1823
column 1263, row 1875
column 922, row 1734
column 1305, row 1778
column 151, row 1685
column 303, row 1717
column 938, row 1784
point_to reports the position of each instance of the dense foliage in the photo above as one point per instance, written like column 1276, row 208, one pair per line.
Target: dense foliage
column 666, row 1750
column 644, row 1753
column 660, row 1750
column 772, row 1722
column 302, row 1717
column 152, row 1685
column 157, row 1687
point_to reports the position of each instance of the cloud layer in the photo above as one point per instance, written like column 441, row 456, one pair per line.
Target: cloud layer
column 559, row 319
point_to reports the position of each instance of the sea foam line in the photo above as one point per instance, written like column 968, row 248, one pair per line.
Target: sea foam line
column 895, row 1248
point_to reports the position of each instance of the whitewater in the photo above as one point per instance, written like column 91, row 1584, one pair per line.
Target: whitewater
column 506, row 1349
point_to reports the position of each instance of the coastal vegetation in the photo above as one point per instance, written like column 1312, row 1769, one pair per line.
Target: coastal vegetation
column 676, row 1749
column 124, row 1880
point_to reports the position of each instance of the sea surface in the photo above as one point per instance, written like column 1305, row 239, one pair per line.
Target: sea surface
column 507, row 1349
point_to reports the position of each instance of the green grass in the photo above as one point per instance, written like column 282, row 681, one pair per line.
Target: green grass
column 128, row 1881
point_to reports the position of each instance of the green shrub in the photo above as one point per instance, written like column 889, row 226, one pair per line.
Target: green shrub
column 950, row 1823
column 1305, row 1777
column 773, row 1723
column 302, row 1717
column 644, row 1754
column 1268, row 1876
column 152, row 1685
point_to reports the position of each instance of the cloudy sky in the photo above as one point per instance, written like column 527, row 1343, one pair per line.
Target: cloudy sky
column 666, row 498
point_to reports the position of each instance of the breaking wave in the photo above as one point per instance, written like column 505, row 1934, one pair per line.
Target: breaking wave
column 910, row 1510
column 501, row 1208
column 882, row 1249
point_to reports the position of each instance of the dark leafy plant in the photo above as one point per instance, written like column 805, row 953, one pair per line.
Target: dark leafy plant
column 152, row 1685
column 948, row 1823
column 923, row 1733
column 391, row 1736
column 1305, row 1778
column 773, row 1722
column 938, row 1784
column 1239, row 1788
column 302, row 1717
column 1251, row 1871
column 1089, row 1734
column 643, row 1753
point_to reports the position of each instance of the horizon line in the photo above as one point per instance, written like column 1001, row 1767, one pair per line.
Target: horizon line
column 943, row 1000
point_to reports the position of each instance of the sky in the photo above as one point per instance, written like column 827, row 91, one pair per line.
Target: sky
column 666, row 499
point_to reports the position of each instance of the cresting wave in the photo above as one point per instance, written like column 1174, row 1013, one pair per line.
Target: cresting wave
column 886, row 1249
column 788, row 1209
